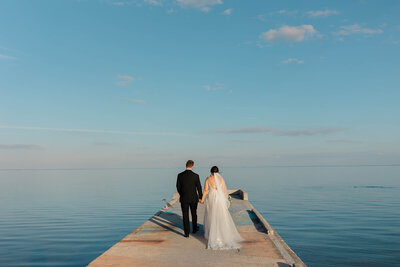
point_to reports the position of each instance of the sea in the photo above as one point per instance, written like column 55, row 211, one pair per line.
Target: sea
column 329, row 215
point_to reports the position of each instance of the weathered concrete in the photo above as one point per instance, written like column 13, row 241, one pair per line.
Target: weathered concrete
column 160, row 241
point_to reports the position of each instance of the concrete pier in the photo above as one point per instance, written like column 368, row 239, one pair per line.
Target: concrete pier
column 160, row 241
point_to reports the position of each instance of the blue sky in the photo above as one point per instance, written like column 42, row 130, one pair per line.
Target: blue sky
column 152, row 83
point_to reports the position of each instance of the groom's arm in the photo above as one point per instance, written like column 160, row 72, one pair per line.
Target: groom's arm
column 178, row 185
column 198, row 186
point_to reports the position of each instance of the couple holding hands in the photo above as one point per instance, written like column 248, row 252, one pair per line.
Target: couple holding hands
column 219, row 227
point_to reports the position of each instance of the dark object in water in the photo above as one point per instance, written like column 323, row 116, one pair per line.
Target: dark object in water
column 372, row 186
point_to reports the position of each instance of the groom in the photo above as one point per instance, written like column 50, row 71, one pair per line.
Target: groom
column 187, row 184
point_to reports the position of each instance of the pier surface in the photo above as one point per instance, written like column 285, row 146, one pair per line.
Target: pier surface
column 160, row 241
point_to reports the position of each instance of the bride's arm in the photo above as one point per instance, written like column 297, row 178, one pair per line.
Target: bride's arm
column 205, row 191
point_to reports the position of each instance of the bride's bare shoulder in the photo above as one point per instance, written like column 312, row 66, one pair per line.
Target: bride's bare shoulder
column 208, row 179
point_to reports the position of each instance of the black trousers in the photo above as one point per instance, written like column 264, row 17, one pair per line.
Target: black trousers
column 185, row 215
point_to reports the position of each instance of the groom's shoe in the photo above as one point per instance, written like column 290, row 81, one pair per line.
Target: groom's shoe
column 195, row 230
column 187, row 236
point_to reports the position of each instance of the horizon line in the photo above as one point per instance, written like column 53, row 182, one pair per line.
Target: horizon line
column 260, row 166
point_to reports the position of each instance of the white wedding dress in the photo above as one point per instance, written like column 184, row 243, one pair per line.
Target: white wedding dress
column 219, row 228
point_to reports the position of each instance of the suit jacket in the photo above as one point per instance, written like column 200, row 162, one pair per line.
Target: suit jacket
column 187, row 183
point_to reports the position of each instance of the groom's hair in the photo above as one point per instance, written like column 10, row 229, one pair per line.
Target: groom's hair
column 189, row 163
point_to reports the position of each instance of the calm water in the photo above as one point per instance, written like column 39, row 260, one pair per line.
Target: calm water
column 330, row 216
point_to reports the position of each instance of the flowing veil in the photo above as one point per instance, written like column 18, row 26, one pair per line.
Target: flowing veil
column 219, row 227
column 221, row 188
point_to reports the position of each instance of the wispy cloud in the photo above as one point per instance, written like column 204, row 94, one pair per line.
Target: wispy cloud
column 287, row 12
column 343, row 141
column 137, row 101
column 124, row 80
column 203, row 5
column 154, row 2
column 357, row 29
column 322, row 13
column 103, row 144
column 215, row 87
column 119, row 3
column 74, row 130
column 289, row 33
column 243, row 141
column 261, row 17
column 280, row 132
column 292, row 60
column 227, row 11
column 2, row 56
column 20, row 147
column 171, row 10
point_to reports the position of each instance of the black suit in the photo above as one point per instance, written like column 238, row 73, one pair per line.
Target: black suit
column 189, row 189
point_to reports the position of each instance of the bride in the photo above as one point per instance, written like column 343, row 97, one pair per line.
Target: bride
column 219, row 228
